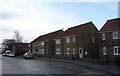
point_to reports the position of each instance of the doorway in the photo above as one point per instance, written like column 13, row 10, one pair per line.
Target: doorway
column 81, row 52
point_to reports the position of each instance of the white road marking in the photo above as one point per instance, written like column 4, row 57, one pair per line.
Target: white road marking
column 31, row 68
column 49, row 74
column 71, row 68
column 89, row 72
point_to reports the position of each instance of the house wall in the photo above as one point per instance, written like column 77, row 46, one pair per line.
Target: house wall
column 60, row 46
column 20, row 49
column 36, row 48
column 85, row 42
column 109, row 43
column 70, row 45
column 49, row 46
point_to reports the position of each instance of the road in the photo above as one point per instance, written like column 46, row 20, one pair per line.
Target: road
column 13, row 65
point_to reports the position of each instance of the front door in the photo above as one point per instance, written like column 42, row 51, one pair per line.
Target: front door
column 81, row 53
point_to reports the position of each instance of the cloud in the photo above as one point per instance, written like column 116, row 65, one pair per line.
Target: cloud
column 32, row 19
column 8, row 11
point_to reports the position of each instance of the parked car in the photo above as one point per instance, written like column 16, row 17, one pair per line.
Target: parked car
column 11, row 54
column 3, row 54
column 6, row 53
column 28, row 55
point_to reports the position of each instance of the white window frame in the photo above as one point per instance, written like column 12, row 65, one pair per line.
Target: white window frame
column 42, row 51
column 39, row 51
column 68, row 51
column 39, row 43
column 86, row 53
column 42, row 43
column 73, row 38
column 67, row 39
column 103, row 36
column 115, row 35
column 115, row 52
column 58, row 41
column 33, row 51
column 73, row 50
column 58, row 51
column 104, row 50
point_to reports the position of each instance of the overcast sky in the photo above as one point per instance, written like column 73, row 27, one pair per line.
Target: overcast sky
column 37, row 17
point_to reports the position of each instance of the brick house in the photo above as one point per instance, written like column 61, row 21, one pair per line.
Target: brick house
column 44, row 45
column 15, row 47
column 110, row 41
column 78, row 42
column 20, row 48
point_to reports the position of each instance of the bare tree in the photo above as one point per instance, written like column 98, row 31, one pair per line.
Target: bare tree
column 17, row 36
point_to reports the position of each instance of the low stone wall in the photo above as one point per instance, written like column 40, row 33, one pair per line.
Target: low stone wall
column 96, row 61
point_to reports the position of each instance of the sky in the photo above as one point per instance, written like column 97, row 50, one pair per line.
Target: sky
column 33, row 18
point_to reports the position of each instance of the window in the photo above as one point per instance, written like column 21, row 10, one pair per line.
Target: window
column 104, row 50
column 73, row 50
column 58, row 51
column 42, row 43
column 39, row 51
column 116, row 35
column 73, row 38
column 92, row 32
column 116, row 50
column 33, row 51
column 93, row 39
column 103, row 36
column 58, row 41
column 42, row 51
column 86, row 53
column 68, row 50
column 34, row 44
column 68, row 40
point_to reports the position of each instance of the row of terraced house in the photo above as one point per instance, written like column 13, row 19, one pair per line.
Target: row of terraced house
column 81, row 42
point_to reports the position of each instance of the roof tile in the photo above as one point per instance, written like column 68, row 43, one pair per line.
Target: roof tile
column 47, row 36
column 73, row 30
column 111, row 25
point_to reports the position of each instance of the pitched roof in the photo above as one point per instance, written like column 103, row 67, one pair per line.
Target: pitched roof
column 73, row 30
column 110, row 25
column 47, row 36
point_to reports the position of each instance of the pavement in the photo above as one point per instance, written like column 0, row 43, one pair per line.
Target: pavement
column 113, row 69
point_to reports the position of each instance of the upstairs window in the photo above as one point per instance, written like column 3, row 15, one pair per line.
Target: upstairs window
column 58, row 41
column 42, row 51
column 39, row 51
column 67, row 39
column 73, row 38
column 33, row 51
column 103, row 36
column 58, row 51
column 68, row 51
column 39, row 43
column 116, row 35
column 73, row 50
column 42, row 43
column 104, row 50
column 116, row 50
